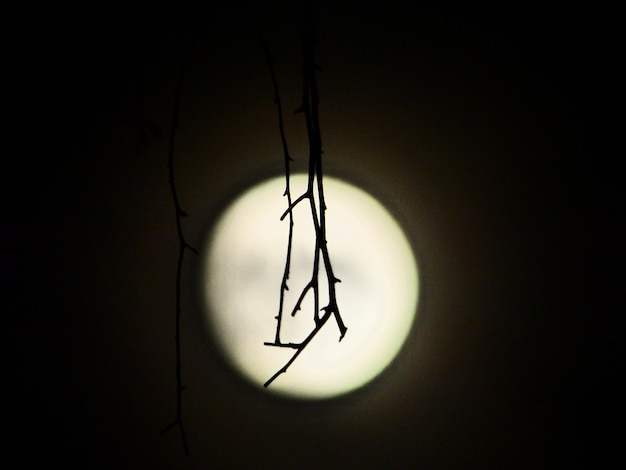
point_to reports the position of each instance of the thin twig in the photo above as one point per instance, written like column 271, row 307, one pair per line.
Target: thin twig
column 287, row 159
column 182, row 246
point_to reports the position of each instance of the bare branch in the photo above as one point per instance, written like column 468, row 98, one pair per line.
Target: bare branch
column 299, row 348
column 287, row 159
column 309, row 107
column 182, row 246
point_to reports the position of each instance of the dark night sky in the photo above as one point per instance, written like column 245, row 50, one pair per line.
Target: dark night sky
column 473, row 126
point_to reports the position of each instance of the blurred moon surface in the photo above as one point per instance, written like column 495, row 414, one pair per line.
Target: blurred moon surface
column 243, row 269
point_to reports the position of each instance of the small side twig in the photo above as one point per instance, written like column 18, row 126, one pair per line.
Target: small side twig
column 179, row 213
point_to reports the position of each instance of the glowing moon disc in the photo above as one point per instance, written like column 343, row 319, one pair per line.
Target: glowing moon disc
column 377, row 295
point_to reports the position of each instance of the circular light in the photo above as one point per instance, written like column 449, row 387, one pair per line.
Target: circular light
column 377, row 296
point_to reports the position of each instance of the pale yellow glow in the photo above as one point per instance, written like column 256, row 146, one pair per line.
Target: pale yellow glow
column 377, row 295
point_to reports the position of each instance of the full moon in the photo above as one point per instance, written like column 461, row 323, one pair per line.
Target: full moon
column 243, row 270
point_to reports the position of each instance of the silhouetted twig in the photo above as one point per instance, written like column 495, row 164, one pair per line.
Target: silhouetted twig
column 309, row 107
column 182, row 246
column 287, row 159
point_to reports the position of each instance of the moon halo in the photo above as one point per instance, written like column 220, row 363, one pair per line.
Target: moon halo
column 242, row 270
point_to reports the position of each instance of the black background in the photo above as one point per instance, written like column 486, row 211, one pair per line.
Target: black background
column 485, row 129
